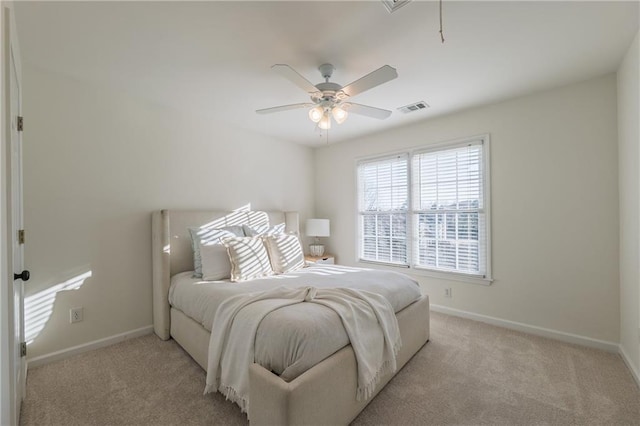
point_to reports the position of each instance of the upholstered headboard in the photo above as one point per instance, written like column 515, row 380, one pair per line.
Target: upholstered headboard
column 172, row 252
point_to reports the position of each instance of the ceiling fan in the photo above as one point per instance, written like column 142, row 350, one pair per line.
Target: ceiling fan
column 331, row 99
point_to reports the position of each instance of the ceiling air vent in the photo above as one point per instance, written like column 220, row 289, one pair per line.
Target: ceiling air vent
column 414, row 107
column 393, row 5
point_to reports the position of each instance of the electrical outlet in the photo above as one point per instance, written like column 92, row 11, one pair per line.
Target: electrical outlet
column 76, row 314
column 447, row 292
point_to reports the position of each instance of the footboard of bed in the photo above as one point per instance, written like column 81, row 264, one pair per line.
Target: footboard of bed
column 326, row 393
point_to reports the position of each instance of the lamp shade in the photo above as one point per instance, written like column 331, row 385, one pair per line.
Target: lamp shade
column 315, row 114
column 317, row 227
column 339, row 114
column 325, row 122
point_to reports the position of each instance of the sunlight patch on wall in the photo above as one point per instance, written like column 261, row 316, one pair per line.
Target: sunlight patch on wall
column 255, row 219
column 39, row 306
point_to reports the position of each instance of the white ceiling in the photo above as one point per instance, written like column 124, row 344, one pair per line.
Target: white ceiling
column 216, row 56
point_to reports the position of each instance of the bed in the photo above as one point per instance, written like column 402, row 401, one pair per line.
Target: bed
column 323, row 394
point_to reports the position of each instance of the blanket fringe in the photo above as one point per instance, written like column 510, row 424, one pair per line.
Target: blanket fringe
column 232, row 395
column 365, row 391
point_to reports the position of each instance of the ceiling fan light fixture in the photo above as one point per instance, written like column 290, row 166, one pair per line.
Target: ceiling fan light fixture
column 332, row 100
column 325, row 122
column 339, row 114
column 316, row 113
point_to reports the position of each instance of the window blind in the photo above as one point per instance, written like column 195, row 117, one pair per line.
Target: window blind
column 383, row 205
column 448, row 209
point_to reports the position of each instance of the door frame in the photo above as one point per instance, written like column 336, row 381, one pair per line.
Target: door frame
column 10, row 397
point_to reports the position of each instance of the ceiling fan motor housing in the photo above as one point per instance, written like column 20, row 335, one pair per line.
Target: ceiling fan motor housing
column 327, row 92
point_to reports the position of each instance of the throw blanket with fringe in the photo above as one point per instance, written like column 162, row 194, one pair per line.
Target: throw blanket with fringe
column 368, row 319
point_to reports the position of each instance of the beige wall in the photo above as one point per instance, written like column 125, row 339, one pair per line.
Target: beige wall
column 96, row 163
column 629, row 181
column 554, row 204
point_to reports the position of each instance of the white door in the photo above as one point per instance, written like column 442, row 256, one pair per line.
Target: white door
column 13, row 174
column 17, row 230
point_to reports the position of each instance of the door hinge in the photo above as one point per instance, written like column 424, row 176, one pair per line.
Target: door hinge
column 23, row 349
column 20, row 123
column 21, row 236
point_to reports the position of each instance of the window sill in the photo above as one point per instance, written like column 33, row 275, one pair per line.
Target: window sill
column 406, row 269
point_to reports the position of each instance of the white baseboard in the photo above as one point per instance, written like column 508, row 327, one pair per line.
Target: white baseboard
column 531, row 329
column 85, row 347
column 632, row 368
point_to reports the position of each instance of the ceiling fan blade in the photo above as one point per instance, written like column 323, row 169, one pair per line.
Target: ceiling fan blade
column 371, row 80
column 293, row 76
column 284, row 108
column 368, row 111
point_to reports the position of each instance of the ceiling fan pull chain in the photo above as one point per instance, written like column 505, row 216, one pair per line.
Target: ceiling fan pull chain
column 441, row 34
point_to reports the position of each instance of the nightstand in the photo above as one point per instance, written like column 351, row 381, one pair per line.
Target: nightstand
column 327, row 259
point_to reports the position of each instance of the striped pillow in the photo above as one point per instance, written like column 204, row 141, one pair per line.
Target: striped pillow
column 285, row 252
column 248, row 257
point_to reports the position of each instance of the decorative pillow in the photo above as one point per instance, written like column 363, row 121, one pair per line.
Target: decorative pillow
column 256, row 231
column 285, row 252
column 249, row 258
column 209, row 236
column 215, row 262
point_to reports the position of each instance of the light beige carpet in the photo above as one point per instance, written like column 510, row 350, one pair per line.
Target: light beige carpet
column 469, row 373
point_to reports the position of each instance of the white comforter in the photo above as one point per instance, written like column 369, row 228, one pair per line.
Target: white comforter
column 313, row 331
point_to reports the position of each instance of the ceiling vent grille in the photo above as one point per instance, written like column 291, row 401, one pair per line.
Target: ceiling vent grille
column 414, row 107
column 393, row 5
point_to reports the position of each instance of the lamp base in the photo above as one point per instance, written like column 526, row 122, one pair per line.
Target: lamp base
column 316, row 249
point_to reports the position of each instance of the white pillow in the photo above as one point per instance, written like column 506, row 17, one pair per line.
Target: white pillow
column 248, row 257
column 215, row 262
column 255, row 231
column 285, row 252
column 208, row 236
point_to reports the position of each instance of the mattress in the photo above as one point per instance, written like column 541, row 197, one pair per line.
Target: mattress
column 312, row 332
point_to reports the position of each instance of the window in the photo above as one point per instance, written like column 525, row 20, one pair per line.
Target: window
column 427, row 208
column 383, row 194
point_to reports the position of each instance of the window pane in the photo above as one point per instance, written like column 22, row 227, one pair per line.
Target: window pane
column 369, row 225
column 384, row 225
column 384, row 237
column 399, row 225
column 427, row 226
column 427, row 253
column 399, row 250
column 446, row 254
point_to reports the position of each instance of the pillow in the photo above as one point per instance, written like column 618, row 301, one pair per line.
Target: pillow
column 248, row 257
column 285, row 252
column 208, row 236
column 251, row 231
column 215, row 262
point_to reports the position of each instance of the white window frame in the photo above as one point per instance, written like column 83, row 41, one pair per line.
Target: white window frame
column 359, row 214
column 485, row 140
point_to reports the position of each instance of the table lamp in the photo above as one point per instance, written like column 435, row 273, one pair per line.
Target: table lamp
column 317, row 228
